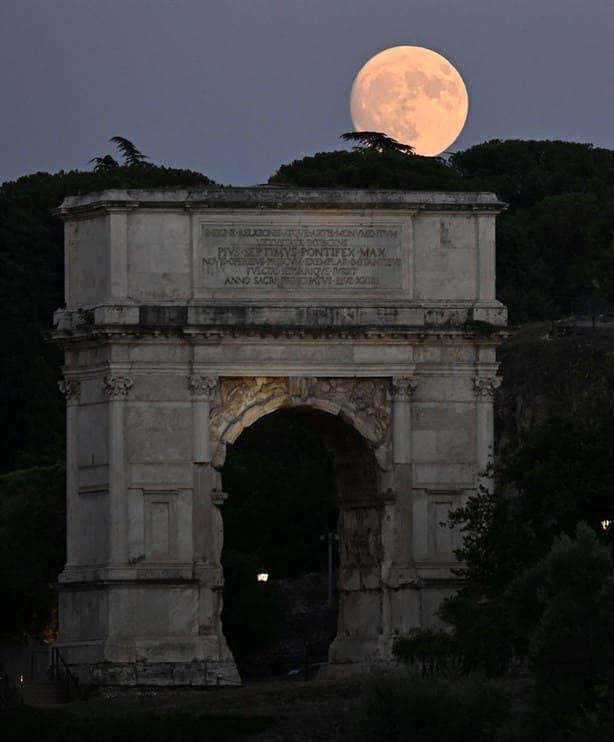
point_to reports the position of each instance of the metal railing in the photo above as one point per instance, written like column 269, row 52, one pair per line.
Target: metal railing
column 61, row 675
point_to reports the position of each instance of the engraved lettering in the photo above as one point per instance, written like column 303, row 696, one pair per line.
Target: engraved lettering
column 300, row 256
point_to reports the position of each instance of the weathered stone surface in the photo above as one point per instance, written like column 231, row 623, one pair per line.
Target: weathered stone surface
column 191, row 314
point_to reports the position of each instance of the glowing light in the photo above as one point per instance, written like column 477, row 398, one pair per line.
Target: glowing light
column 606, row 524
column 262, row 576
column 413, row 95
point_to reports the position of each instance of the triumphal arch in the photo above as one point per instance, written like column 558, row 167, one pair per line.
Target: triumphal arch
column 189, row 315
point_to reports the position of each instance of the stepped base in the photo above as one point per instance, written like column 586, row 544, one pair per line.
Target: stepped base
column 198, row 673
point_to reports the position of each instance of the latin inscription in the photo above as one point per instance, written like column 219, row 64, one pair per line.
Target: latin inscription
column 301, row 257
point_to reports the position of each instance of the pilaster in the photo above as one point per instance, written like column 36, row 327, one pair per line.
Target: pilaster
column 117, row 387
column 204, row 390
column 484, row 388
column 117, row 251
column 71, row 389
column 401, row 391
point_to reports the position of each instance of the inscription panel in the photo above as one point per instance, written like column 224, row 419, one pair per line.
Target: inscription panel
column 284, row 257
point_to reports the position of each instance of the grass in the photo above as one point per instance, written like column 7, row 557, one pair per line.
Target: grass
column 57, row 725
column 281, row 711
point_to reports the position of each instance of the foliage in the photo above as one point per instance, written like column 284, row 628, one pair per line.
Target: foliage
column 106, row 162
column 376, row 141
column 555, row 618
column 32, row 547
column 369, row 169
column 523, row 172
column 409, row 706
column 131, row 155
column 562, row 607
column 553, row 471
column 431, row 649
column 554, row 475
column 595, row 724
column 551, row 255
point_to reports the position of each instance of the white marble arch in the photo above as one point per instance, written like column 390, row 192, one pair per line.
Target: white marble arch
column 189, row 315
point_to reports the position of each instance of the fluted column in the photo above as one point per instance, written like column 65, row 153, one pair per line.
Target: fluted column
column 484, row 388
column 116, row 388
column 204, row 389
column 401, row 391
column 397, row 521
column 71, row 389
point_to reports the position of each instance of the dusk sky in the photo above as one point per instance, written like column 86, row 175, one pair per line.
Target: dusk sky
column 235, row 88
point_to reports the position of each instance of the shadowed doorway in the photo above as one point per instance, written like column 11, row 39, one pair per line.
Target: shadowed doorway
column 286, row 476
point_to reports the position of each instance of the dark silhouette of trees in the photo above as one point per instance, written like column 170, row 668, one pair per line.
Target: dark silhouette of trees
column 104, row 163
column 131, row 155
column 376, row 141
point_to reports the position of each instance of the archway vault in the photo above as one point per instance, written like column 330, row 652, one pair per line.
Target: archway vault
column 358, row 476
column 362, row 403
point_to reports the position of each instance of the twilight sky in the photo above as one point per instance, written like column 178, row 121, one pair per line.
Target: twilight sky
column 235, row 88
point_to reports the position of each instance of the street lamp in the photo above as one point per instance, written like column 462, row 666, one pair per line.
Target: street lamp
column 262, row 576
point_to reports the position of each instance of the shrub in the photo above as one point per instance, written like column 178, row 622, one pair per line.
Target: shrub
column 432, row 650
column 429, row 709
column 595, row 724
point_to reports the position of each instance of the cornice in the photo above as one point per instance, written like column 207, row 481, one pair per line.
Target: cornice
column 279, row 198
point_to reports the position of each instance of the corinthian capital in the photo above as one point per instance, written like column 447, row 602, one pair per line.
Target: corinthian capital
column 203, row 387
column 118, row 386
column 71, row 389
column 485, row 386
column 402, row 388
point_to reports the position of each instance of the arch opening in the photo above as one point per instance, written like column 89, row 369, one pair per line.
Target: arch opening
column 295, row 478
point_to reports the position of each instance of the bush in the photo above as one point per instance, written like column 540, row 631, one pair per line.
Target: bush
column 430, row 709
column 564, row 606
column 32, row 547
column 596, row 724
column 432, row 650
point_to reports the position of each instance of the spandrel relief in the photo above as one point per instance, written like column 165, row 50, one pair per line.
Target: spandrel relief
column 362, row 402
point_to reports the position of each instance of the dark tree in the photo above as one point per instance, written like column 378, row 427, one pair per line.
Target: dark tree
column 132, row 156
column 376, row 141
column 104, row 163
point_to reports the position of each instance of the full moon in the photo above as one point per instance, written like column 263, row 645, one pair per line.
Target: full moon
column 413, row 95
